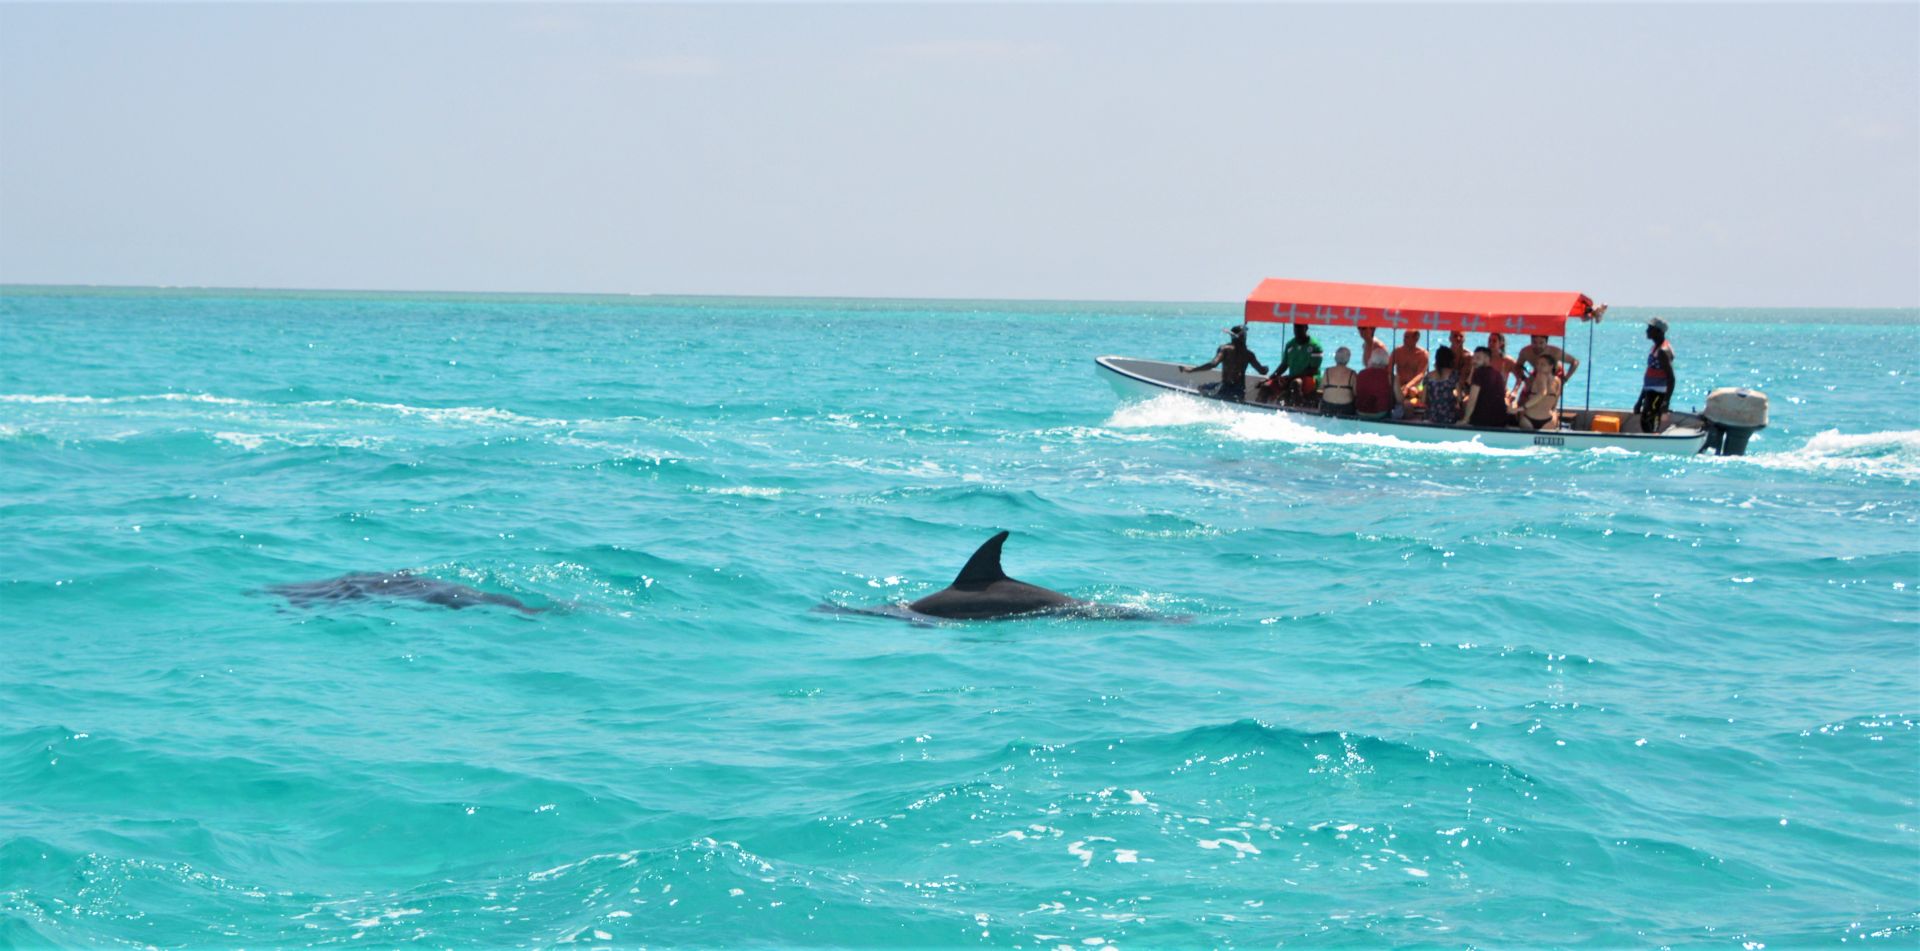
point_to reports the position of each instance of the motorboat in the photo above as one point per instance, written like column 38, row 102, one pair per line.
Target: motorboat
column 1729, row 419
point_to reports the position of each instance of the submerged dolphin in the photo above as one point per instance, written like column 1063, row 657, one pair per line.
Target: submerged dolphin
column 399, row 584
column 984, row 592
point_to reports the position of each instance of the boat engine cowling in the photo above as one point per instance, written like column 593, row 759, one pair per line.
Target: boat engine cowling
column 1733, row 415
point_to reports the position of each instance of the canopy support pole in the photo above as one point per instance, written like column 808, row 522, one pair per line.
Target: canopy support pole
column 1560, row 405
column 1589, row 366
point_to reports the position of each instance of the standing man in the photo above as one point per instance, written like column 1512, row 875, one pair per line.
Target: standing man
column 1409, row 365
column 1501, row 363
column 1536, row 348
column 1538, row 344
column 1232, row 359
column 1656, row 388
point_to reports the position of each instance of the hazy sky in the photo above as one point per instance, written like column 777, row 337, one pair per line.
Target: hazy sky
column 1710, row 154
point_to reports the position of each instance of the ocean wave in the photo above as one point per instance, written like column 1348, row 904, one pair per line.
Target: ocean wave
column 1315, row 747
column 472, row 415
column 611, row 570
column 748, row 491
column 1083, row 434
column 1870, row 728
column 54, row 398
column 979, row 498
column 176, row 444
column 1169, row 527
column 1239, row 770
column 674, row 894
column 469, row 415
column 254, row 442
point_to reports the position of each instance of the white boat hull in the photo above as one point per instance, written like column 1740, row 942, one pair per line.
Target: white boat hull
column 1136, row 379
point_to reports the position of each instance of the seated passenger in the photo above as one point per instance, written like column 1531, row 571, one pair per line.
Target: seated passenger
column 1299, row 367
column 1539, row 408
column 1369, row 346
column 1486, row 405
column 1336, row 388
column 1443, row 403
column 1373, row 390
column 1232, row 359
column 1409, row 366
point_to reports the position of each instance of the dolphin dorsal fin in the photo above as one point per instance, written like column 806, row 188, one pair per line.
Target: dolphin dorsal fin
column 984, row 566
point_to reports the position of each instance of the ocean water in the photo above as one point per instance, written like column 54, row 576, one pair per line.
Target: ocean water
column 1439, row 696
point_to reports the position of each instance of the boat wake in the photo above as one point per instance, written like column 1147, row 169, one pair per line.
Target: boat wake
column 1174, row 409
column 1891, row 454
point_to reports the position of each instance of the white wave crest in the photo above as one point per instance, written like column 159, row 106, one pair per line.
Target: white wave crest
column 247, row 441
column 1894, row 454
column 1258, row 426
column 449, row 414
column 253, row 442
column 105, row 400
column 468, row 415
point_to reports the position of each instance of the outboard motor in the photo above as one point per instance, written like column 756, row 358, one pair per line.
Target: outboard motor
column 1733, row 415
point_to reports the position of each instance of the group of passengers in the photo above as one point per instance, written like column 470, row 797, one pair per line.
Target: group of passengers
column 1483, row 387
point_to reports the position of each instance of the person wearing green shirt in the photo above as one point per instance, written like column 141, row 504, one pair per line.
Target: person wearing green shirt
column 1299, row 367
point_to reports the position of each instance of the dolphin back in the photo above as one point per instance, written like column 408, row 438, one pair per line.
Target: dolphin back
column 360, row 586
column 983, row 591
column 984, row 567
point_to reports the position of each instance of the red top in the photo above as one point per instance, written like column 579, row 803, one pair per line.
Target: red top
column 1415, row 308
column 1374, row 392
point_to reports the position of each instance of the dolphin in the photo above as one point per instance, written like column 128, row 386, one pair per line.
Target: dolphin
column 983, row 592
column 361, row 586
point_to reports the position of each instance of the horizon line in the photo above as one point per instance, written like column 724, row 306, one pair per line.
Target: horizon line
column 9, row 286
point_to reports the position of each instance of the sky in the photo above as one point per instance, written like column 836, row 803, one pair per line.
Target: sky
column 1711, row 154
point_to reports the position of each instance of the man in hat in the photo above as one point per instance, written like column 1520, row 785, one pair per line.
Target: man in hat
column 1232, row 359
column 1656, row 388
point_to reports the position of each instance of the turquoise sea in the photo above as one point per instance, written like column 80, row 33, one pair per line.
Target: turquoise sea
column 1434, row 696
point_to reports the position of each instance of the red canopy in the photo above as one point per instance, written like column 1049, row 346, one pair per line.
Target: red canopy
column 1416, row 308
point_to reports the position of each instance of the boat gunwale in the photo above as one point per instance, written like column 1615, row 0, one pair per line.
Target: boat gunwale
column 1669, row 436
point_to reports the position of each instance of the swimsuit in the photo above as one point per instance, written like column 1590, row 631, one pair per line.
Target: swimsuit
column 1328, row 387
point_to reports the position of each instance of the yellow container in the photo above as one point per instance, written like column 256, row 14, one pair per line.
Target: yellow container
column 1606, row 423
